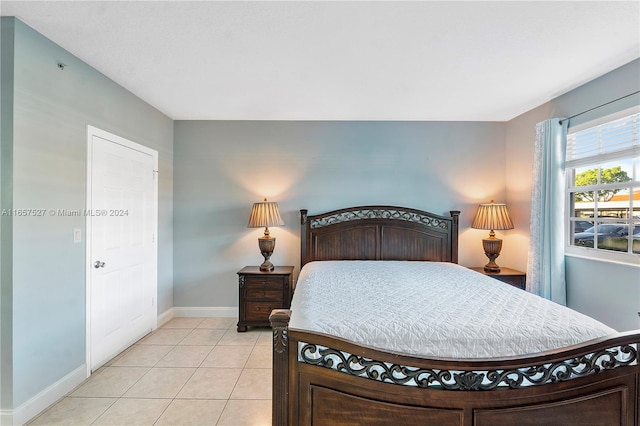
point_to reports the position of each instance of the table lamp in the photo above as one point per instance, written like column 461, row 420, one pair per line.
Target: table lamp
column 492, row 216
column 265, row 214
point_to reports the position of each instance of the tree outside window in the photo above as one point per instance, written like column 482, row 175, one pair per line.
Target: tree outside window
column 590, row 177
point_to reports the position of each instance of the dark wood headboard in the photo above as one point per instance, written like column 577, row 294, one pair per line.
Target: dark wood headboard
column 379, row 233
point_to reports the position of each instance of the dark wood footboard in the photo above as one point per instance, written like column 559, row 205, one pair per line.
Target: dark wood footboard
column 279, row 319
column 320, row 379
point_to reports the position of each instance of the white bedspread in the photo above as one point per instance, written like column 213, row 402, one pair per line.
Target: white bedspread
column 432, row 309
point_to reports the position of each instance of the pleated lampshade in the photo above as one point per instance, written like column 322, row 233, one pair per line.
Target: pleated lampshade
column 265, row 214
column 492, row 216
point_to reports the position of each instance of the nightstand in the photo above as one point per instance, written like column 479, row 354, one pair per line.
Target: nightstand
column 261, row 292
column 509, row 276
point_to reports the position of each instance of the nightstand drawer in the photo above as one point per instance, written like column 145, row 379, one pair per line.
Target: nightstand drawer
column 263, row 283
column 259, row 311
column 263, row 293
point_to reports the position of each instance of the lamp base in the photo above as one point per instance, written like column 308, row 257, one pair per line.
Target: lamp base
column 266, row 266
column 491, row 267
column 266, row 245
column 492, row 247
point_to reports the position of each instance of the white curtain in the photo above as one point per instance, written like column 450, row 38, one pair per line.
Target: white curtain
column 545, row 269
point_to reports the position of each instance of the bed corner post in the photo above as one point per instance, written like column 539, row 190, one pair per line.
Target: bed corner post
column 304, row 228
column 279, row 320
column 455, row 215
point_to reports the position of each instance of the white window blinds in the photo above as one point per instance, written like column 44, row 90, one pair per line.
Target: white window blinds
column 613, row 140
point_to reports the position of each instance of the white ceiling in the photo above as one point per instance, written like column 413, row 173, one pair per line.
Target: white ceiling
column 359, row 60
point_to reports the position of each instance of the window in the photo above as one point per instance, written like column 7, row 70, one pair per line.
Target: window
column 603, row 188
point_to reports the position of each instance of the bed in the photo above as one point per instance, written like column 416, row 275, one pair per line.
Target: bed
column 335, row 369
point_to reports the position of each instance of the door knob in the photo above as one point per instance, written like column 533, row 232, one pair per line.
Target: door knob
column 98, row 264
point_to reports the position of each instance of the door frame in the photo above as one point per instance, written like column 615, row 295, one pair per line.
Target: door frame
column 94, row 131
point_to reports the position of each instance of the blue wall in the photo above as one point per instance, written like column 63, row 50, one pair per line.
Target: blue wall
column 223, row 167
column 51, row 110
column 6, row 221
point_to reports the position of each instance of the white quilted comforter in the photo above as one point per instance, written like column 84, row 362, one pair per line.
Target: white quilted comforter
column 432, row 309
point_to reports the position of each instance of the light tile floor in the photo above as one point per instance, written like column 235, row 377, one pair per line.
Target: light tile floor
column 191, row 371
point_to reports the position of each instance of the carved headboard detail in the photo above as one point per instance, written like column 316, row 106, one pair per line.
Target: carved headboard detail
column 379, row 233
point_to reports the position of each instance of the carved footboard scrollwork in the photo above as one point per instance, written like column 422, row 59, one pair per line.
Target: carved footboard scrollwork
column 405, row 375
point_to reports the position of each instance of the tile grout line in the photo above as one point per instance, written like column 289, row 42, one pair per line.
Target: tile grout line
column 155, row 367
column 174, row 346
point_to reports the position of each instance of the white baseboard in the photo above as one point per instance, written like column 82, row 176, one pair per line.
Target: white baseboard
column 165, row 317
column 6, row 417
column 219, row 311
column 48, row 396
column 197, row 312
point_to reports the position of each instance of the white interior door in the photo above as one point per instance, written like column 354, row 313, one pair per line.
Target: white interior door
column 122, row 249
